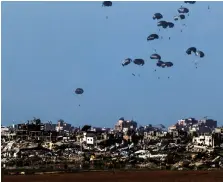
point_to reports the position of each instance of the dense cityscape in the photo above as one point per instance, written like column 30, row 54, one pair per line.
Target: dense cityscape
column 188, row 144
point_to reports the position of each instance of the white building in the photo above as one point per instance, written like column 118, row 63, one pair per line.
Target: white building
column 90, row 138
column 204, row 141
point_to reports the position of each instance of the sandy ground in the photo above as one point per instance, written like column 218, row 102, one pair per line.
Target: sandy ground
column 141, row 176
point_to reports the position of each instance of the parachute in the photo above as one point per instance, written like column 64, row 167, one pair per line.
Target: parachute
column 183, row 10
column 126, row 62
column 197, row 52
column 179, row 17
column 157, row 16
column 190, row 2
column 168, row 64
column 170, row 24
column 152, row 37
column 200, row 54
column 164, row 64
column 106, row 3
column 155, row 56
column 162, row 23
column 190, row 50
column 165, row 24
column 139, row 62
column 79, row 91
column 160, row 64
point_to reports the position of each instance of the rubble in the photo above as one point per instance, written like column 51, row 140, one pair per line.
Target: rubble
column 89, row 148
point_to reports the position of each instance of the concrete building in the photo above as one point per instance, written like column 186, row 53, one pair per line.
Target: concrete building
column 124, row 125
column 204, row 141
column 63, row 126
column 185, row 122
column 90, row 138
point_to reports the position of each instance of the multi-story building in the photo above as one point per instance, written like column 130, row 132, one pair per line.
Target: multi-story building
column 63, row 126
column 208, row 122
column 125, row 125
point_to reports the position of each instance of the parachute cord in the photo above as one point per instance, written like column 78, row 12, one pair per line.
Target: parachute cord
column 196, row 63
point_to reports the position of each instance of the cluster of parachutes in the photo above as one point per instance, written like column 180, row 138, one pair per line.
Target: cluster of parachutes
column 161, row 64
column 167, row 24
column 138, row 61
column 141, row 62
column 182, row 11
column 164, row 64
column 195, row 51
column 161, row 23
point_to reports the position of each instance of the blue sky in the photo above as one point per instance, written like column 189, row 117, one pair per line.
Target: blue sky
column 51, row 48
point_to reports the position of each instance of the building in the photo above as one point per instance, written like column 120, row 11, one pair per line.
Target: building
column 118, row 126
column 185, row 122
column 219, row 130
column 63, row 126
column 125, row 125
column 172, row 128
column 91, row 138
column 204, row 141
column 4, row 130
column 49, row 126
column 208, row 122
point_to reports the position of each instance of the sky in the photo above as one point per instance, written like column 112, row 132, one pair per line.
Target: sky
column 51, row 48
